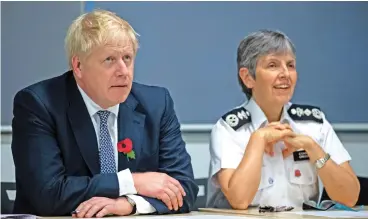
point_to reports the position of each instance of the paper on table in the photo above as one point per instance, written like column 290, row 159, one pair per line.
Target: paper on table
column 249, row 211
column 333, row 214
column 190, row 217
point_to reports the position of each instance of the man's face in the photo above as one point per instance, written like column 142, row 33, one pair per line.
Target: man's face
column 106, row 75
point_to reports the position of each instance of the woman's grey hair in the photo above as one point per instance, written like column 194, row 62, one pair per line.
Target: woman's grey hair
column 258, row 44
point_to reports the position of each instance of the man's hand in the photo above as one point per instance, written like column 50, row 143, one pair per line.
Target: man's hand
column 101, row 206
column 273, row 133
column 160, row 186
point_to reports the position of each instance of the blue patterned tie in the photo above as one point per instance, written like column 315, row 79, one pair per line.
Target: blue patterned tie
column 107, row 158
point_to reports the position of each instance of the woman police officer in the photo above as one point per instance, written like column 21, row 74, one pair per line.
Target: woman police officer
column 269, row 151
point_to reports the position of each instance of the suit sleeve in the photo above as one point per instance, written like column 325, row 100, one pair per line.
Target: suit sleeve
column 174, row 160
column 40, row 173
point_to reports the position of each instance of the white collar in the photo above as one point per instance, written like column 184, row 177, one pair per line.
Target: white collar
column 258, row 117
column 93, row 107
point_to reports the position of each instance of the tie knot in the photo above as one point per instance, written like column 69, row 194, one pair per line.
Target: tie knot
column 104, row 115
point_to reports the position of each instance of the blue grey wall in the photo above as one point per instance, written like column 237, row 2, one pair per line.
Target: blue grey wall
column 32, row 45
column 190, row 48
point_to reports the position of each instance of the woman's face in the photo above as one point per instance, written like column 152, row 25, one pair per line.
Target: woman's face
column 275, row 79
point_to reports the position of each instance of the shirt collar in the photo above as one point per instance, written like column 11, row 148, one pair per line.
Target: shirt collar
column 286, row 118
column 259, row 118
column 93, row 107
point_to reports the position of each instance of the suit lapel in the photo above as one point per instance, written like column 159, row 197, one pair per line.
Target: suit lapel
column 82, row 127
column 130, row 125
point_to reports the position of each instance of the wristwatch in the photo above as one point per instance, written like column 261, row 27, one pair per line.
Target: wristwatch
column 132, row 202
column 321, row 162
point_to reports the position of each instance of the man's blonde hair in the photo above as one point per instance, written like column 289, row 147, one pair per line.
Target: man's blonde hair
column 94, row 29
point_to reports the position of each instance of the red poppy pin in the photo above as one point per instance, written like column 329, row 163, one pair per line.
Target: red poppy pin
column 126, row 146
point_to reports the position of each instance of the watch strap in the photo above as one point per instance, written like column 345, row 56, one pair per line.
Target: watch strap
column 322, row 161
column 132, row 202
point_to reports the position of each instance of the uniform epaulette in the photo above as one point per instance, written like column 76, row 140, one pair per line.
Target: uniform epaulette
column 305, row 113
column 237, row 117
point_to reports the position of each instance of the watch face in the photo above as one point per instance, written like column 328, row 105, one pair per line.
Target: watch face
column 319, row 164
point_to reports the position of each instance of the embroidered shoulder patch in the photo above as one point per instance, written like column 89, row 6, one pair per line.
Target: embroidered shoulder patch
column 236, row 118
column 305, row 113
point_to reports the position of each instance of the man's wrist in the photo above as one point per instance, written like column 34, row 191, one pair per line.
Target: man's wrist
column 132, row 204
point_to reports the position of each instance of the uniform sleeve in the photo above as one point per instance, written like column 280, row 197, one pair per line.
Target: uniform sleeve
column 333, row 145
column 225, row 151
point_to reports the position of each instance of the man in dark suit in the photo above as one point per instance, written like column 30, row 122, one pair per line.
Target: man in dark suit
column 92, row 141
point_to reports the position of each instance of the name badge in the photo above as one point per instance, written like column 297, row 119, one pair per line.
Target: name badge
column 300, row 155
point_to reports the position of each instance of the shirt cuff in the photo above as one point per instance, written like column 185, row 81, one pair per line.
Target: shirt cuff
column 143, row 206
column 126, row 183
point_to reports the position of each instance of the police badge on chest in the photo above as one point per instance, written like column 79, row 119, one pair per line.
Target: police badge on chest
column 300, row 155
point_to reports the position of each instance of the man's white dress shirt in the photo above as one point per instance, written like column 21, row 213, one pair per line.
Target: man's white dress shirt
column 125, row 178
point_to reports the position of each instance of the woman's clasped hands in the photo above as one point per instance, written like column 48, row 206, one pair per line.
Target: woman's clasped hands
column 275, row 132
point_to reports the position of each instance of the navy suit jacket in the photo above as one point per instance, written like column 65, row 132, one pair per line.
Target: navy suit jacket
column 55, row 147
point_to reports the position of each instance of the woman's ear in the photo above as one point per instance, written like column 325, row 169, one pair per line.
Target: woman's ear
column 246, row 78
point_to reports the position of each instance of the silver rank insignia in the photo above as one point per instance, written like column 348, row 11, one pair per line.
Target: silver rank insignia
column 236, row 118
column 306, row 113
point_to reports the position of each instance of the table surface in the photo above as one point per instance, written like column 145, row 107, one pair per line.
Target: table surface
column 251, row 213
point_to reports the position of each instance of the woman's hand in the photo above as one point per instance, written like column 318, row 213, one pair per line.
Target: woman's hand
column 298, row 142
column 273, row 133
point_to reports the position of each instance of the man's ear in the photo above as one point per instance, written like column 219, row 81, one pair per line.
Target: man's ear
column 246, row 78
column 76, row 65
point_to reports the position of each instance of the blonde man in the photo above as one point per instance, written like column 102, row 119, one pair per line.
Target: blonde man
column 93, row 143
